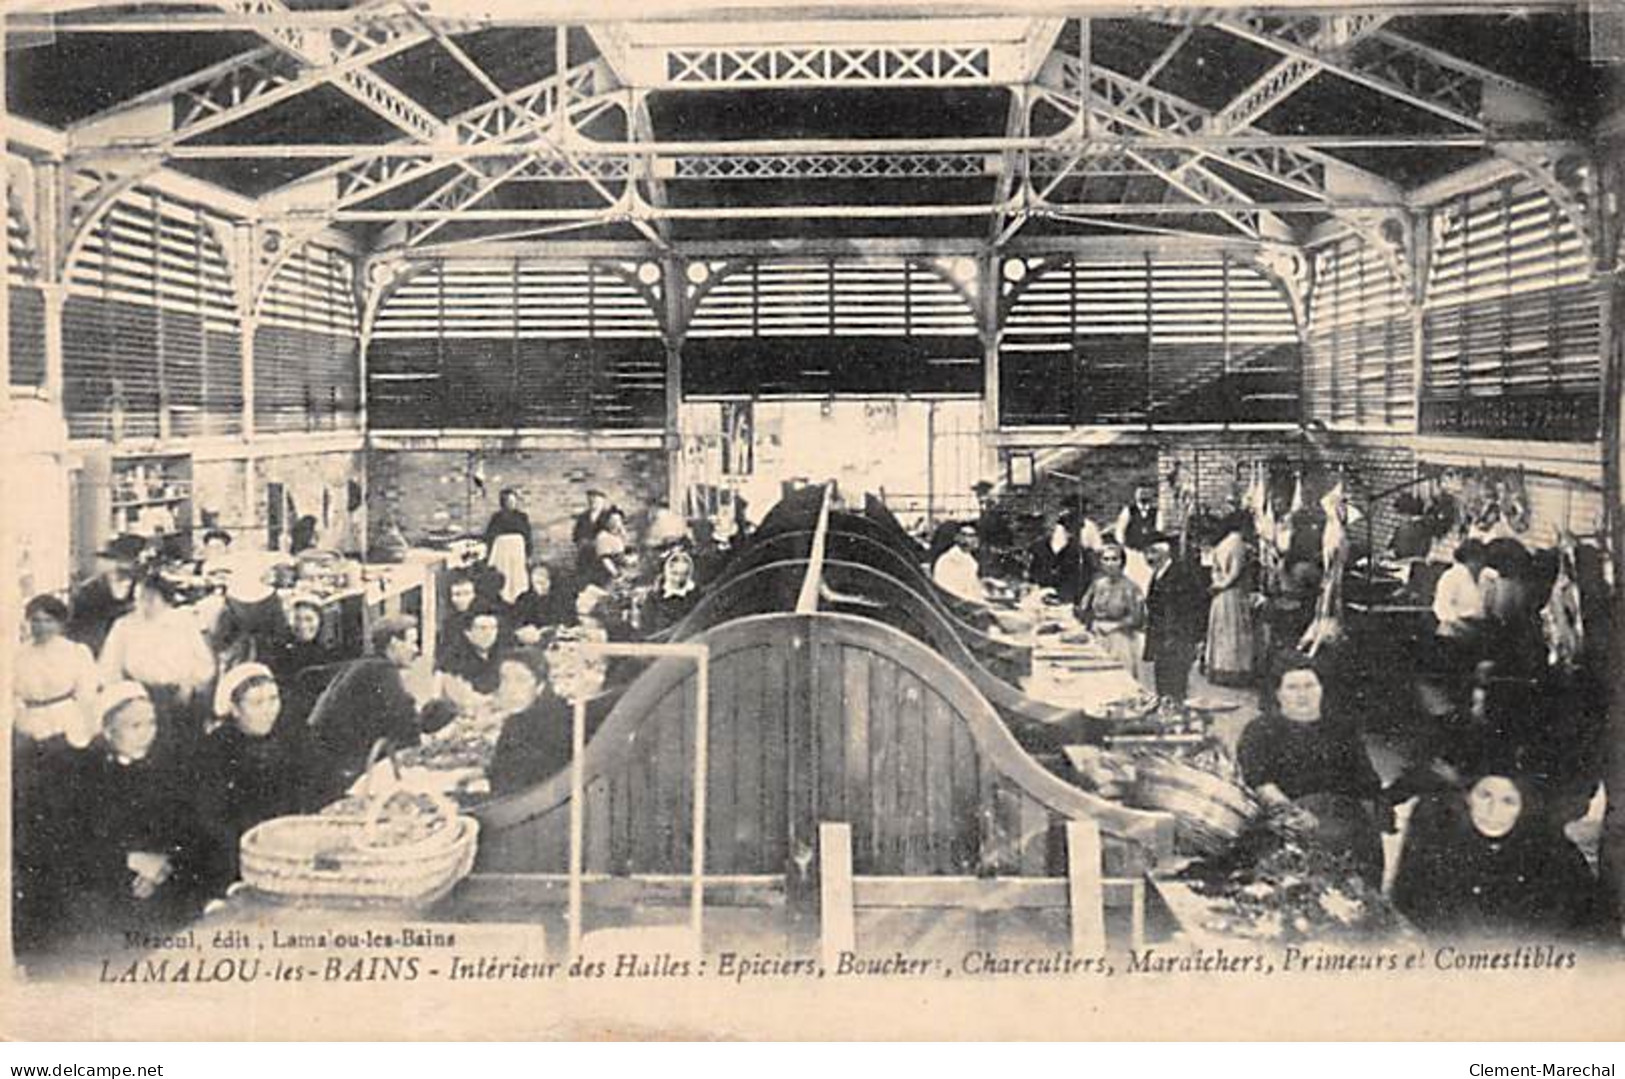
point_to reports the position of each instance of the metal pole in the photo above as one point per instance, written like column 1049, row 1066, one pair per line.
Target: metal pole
column 702, row 758
column 578, row 745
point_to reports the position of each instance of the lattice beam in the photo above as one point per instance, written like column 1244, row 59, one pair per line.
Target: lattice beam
column 324, row 51
column 734, row 67
column 243, row 89
column 494, row 123
column 1293, row 72
column 1120, row 105
column 828, row 166
column 1424, row 78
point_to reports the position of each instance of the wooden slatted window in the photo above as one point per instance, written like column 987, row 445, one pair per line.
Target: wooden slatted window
column 307, row 373
column 1512, row 322
column 151, row 338
column 837, row 327
column 1152, row 340
column 26, row 305
column 1359, row 374
column 521, row 344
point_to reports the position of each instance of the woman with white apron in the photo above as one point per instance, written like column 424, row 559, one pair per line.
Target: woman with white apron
column 508, row 545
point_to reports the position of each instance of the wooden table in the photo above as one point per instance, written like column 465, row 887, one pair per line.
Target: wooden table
column 410, row 587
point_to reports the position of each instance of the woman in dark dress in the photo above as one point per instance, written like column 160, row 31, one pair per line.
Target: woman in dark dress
column 1294, row 757
column 1489, row 864
column 509, row 545
column 540, row 608
column 536, row 738
column 671, row 598
column 241, row 773
column 127, row 840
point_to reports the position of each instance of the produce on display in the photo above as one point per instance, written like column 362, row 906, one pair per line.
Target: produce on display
column 1277, row 886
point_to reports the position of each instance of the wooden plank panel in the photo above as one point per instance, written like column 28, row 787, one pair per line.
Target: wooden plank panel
column 668, row 778
column 965, row 801
column 597, row 827
column 1085, row 888
column 749, row 670
column 801, row 780
column 620, row 808
column 1007, row 824
column 838, row 930
column 883, row 757
column 829, row 729
column 939, row 778
column 911, row 773
column 722, row 773
column 1035, row 821
column 855, row 703
column 645, row 800
column 682, row 822
column 775, row 718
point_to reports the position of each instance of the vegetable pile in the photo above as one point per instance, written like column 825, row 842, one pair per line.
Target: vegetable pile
column 1278, row 886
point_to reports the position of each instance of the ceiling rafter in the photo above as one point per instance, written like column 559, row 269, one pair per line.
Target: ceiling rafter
column 1211, row 191
column 1119, row 102
column 1293, row 72
column 492, row 125
column 1390, row 65
column 237, row 92
column 316, row 49
column 1085, row 60
column 121, row 111
column 538, row 126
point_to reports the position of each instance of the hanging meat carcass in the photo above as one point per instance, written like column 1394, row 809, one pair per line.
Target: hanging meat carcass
column 1560, row 619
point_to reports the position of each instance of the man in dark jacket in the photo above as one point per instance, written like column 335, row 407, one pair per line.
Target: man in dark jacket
column 367, row 702
column 109, row 597
column 1175, row 618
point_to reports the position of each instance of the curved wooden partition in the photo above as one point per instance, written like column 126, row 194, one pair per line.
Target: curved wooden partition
column 1040, row 727
column 813, row 718
column 1009, row 660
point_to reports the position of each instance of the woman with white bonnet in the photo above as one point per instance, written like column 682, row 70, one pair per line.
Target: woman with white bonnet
column 243, row 772
column 126, row 837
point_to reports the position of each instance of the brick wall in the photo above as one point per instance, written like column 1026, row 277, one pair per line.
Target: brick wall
column 318, row 484
column 1108, row 475
column 425, row 490
column 1221, row 466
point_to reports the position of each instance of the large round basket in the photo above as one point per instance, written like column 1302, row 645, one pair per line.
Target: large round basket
column 1210, row 813
column 327, row 860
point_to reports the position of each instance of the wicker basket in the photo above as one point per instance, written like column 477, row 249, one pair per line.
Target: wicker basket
column 327, row 860
column 1211, row 813
column 338, row 859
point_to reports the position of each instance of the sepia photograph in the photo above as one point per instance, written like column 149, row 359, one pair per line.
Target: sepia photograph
column 953, row 519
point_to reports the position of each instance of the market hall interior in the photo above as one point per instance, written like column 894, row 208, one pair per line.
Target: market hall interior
column 1007, row 480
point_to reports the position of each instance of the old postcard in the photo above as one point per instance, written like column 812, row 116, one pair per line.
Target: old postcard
column 813, row 519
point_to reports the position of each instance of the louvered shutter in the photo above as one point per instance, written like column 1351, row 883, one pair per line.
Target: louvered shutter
column 780, row 327
column 306, row 356
column 26, row 305
column 1201, row 340
column 1512, row 323
column 517, row 344
column 150, row 335
column 1359, row 373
